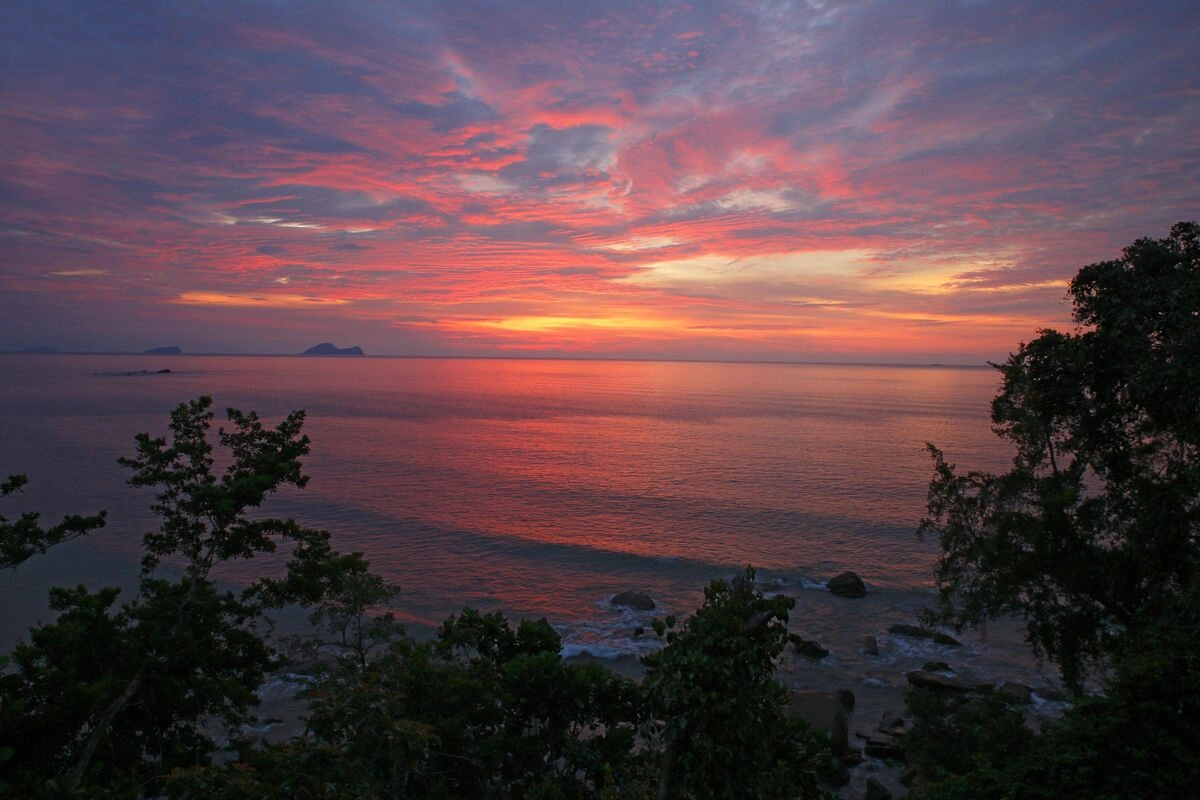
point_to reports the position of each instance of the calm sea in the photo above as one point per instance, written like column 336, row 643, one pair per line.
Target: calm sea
column 541, row 488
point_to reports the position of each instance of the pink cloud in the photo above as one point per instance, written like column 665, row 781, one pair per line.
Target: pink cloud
column 545, row 179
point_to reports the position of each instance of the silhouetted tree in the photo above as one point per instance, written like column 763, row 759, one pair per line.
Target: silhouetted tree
column 24, row 538
column 111, row 698
column 1095, row 531
column 1093, row 537
column 720, row 713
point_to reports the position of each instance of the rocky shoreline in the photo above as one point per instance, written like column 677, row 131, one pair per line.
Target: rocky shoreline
column 870, row 736
column 864, row 718
column 868, row 727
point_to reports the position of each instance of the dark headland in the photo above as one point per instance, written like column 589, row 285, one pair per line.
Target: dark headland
column 173, row 350
column 327, row 349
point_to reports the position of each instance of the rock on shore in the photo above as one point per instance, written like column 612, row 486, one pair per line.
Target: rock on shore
column 917, row 632
column 848, row 584
column 638, row 601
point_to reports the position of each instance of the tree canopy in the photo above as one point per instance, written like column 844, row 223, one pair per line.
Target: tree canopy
column 718, row 710
column 24, row 538
column 125, row 699
column 116, row 695
column 1093, row 535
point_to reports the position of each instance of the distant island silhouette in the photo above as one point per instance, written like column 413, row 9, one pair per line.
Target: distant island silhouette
column 133, row 374
column 42, row 350
column 327, row 349
column 163, row 351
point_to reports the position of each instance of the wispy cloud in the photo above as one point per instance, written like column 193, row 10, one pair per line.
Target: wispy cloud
column 257, row 301
column 743, row 179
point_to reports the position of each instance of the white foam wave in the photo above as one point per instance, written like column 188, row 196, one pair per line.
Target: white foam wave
column 785, row 582
column 610, row 635
column 284, row 686
column 1046, row 707
column 877, row 681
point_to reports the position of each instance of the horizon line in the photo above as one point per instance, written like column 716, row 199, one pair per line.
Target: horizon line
column 635, row 359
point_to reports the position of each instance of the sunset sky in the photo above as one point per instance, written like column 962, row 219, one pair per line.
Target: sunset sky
column 866, row 181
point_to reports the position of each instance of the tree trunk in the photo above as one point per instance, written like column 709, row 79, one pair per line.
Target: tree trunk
column 102, row 726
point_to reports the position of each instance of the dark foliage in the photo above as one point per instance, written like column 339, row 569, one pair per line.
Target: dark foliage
column 1095, row 531
column 719, row 711
column 484, row 711
column 126, row 699
column 108, row 699
column 1138, row 739
column 1094, row 538
column 25, row 538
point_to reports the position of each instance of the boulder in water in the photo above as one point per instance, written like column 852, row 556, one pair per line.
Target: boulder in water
column 938, row 682
column 638, row 601
column 848, row 584
column 877, row 745
column 810, row 649
column 917, row 632
column 893, row 724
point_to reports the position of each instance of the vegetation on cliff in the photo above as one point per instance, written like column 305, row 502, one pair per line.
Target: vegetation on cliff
column 1093, row 538
column 127, row 699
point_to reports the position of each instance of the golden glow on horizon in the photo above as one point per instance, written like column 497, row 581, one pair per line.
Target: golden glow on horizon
column 256, row 300
column 80, row 273
column 537, row 324
column 638, row 243
column 716, row 268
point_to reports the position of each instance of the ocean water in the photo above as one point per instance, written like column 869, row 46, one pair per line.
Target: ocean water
column 542, row 488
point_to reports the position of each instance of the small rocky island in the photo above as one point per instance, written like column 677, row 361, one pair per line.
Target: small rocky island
column 327, row 349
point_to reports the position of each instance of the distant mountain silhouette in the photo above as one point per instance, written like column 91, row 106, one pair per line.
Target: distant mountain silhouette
column 327, row 349
column 37, row 350
column 163, row 351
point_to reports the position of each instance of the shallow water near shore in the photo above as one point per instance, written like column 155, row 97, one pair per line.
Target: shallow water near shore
column 542, row 488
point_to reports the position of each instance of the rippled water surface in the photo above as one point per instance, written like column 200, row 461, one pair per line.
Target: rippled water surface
column 540, row 488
